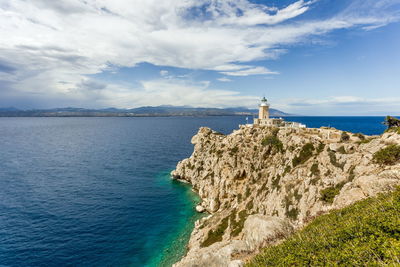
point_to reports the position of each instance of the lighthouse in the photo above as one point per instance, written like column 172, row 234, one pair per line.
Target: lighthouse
column 263, row 115
column 264, row 119
column 263, row 112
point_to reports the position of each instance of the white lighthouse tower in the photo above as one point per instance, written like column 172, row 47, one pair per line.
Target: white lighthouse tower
column 263, row 112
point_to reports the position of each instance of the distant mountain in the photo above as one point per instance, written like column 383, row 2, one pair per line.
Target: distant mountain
column 134, row 112
column 8, row 109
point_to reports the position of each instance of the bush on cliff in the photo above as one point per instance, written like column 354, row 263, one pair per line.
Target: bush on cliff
column 305, row 154
column 388, row 155
column 366, row 233
column 216, row 235
column 344, row 137
column 272, row 141
column 329, row 194
column 391, row 122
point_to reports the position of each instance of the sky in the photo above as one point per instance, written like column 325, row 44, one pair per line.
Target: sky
column 315, row 57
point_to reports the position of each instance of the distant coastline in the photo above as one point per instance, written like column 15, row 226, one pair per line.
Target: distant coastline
column 157, row 111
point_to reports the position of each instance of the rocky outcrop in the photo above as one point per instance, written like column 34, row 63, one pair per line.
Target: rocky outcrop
column 260, row 183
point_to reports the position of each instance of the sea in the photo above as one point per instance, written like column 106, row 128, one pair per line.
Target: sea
column 97, row 191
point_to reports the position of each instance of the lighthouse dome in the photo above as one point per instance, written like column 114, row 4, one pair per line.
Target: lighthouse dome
column 264, row 102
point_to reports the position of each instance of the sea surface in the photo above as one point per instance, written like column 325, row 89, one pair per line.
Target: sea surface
column 97, row 191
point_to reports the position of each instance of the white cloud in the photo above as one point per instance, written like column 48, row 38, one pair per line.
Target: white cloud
column 163, row 73
column 52, row 46
column 224, row 79
column 168, row 92
column 249, row 71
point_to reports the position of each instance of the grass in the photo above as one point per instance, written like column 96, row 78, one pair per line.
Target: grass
column 366, row 233
column 388, row 155
column 364, row 141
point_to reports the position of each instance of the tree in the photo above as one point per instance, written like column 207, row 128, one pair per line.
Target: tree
column 391, row 122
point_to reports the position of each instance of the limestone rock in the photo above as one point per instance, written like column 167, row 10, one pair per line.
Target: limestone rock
column 258, row 191
column 200, row 208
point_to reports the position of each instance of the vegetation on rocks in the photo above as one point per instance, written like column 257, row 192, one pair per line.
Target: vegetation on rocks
column 237, row 225
column 216, row 235
column 344, row 137
column 273, row 141
column 328, row 194
column 314, row 169
column 391, row 122
column 388, row 155
column 334, row 161
column 360, row 136
column 366, row 233
column 364, row 141
column 305, row 154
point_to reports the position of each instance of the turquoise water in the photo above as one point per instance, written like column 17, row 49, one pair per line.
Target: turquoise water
column 97, row 191
column 175, row 242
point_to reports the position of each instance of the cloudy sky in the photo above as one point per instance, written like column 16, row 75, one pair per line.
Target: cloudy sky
column 315, row 57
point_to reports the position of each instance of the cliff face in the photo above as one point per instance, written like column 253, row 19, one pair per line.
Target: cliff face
column 261, row 183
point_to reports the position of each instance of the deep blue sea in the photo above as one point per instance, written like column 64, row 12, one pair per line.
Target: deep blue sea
column 97, row 191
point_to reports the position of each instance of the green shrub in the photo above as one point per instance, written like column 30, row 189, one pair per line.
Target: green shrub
column 351, row 174
column 315, row 180
column 216, row 235
column 292, row 213
column 250, row 205
column 305, row 154
column 344, row 137
column 275, row 131
column 315, row 169
column 328, row 194
column 333, row 160
column 237, row 226
column 287, row 170
column 296, row 195
column 342, row 150
column 393, row 130
column 364, row 141
column 388, row 155
column 320, row 148
column 234, row 150
column 360, row 136
column 366, row 233
column 275, row 182
column 272, row 141
column 391, row 122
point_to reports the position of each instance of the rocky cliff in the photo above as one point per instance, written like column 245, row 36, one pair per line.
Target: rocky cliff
column 259, row 184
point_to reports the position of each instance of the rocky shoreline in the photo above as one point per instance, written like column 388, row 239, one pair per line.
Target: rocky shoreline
column 259, row 184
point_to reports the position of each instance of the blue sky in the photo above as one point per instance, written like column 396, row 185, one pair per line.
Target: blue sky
column 317, row 57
